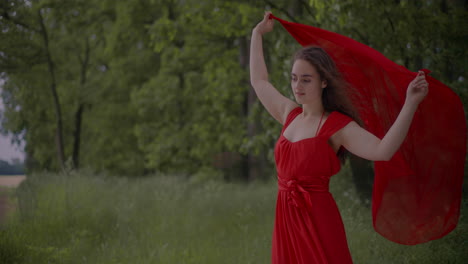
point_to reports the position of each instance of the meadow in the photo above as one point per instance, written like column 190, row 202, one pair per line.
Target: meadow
column 88, row 218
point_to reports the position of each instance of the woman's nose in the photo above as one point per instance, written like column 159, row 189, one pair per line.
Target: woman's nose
column 294, row 84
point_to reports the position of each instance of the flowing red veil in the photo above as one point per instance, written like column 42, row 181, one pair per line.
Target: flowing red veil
column 417, row 194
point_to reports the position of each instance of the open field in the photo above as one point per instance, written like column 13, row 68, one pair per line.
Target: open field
column 84, row 218
column 7, row 184
column 11, row 180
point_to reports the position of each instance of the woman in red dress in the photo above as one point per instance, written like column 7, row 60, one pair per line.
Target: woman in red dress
column 308, row 227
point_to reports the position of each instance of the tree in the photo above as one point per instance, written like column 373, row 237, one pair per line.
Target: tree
column 70, row 50
column 162, row 85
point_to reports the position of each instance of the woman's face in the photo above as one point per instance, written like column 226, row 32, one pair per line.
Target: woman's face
column 305, row 82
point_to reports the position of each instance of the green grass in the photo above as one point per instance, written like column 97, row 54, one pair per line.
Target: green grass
column 84, row 218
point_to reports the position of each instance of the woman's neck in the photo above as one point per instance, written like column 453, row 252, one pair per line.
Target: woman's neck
column 312, row 110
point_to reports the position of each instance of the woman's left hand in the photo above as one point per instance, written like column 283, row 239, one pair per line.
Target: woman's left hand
column 417, row 89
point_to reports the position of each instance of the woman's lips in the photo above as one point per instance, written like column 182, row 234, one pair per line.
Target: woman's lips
column 300, row 94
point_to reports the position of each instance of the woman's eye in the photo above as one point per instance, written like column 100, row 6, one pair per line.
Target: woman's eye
column 306, row 81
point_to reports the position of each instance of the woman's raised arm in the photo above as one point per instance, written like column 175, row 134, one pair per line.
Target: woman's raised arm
column 364, row 144
column 276, row 104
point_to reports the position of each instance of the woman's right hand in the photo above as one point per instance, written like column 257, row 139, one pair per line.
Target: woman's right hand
column 266, row 25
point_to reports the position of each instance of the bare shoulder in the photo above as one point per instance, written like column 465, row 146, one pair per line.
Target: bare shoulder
column 346, row 133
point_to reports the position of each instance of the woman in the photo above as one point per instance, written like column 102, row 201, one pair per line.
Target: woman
column 308, row 227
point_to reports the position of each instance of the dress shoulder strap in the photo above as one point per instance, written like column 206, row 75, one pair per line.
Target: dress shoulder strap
column 291, row 117
column 334, row 122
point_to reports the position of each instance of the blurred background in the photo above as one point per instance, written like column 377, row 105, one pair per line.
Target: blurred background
column 148, row 86
column 137, row 88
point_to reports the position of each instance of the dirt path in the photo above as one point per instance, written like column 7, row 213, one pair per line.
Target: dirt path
column 11, row 181
column 6, row 184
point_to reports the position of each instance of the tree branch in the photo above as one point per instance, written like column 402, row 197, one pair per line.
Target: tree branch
column 282, row 10
column 307, row 8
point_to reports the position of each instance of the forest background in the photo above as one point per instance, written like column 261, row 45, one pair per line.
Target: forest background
column 161, row 86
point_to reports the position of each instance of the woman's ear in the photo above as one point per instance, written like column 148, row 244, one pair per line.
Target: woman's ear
column 324, row 84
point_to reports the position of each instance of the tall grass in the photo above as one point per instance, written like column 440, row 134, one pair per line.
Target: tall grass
column 84, row 218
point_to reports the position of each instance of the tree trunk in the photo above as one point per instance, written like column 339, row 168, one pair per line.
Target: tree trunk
column 253, row 160
column 53, row 87
column 80, row 110
column 250, row 166
column 77, row 136
column 363, row 178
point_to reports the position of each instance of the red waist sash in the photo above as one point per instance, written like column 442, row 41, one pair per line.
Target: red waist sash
column 298, row 192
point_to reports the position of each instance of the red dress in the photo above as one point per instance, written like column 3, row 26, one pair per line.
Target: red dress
column 308, row 227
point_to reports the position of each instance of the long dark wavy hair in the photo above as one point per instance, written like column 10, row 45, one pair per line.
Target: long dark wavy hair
column 337, row 95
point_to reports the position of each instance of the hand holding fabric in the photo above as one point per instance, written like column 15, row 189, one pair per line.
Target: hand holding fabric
column 266, row 25
column 417, row 89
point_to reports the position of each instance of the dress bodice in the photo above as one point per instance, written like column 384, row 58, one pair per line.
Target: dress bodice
column 309, row 157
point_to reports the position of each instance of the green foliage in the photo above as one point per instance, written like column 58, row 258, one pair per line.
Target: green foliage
column 200, row 89
column 164, row 86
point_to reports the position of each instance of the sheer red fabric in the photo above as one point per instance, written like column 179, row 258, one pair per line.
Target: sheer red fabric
column 417, row 194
